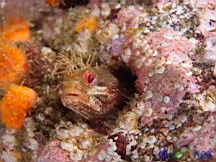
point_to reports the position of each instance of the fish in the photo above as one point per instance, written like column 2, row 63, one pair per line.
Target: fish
column 91, row 92
column 88, row 88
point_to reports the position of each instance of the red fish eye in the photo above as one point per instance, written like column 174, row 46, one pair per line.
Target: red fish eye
column 88, row 77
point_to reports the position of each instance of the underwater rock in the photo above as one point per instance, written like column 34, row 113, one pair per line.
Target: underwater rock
column 53, row 153
column 210, row 54
column 160, row 61
column 200, row 139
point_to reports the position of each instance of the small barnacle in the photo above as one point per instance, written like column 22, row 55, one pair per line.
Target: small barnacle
column 88, row 89
column 17, row 101
column 212, row 95
column 16, row 30
column 166, row 99
column 207, row 100
column 13, row 64
column 129, row 121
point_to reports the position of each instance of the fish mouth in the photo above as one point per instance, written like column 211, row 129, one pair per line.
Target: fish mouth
column 78, row 95
column 74, row 89
column 72, row 95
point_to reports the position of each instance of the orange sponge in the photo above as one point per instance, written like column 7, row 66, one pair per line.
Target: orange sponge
column 89, row 23
column 53, row 3
column 16, row 30
column 13, row 64
column 17, row 101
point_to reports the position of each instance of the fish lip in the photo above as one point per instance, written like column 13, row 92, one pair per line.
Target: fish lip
column 72, row 94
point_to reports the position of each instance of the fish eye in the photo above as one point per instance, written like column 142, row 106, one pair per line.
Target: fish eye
column 89, row 77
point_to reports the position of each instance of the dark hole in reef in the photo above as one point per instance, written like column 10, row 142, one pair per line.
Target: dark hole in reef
column 114, row 14
column 187, row 96
column 127, row 80
column 72, row 3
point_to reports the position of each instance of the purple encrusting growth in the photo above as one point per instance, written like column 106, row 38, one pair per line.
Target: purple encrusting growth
column 117, row 45
column 54, row 153
column 210, row 56
column 120, row 144
column 207, row 14
column 128, row 15
column 200, row 139
column 160, row 61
